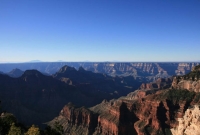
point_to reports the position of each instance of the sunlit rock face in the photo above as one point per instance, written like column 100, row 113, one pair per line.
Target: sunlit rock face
column 189, row 124
column 76, row 120
column 142, row 112
column 187, row 84
column 190, row 81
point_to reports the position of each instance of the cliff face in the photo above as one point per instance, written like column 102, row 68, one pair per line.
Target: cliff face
column 141, row 112
column 187, row 84
column 75, row 120
column 108, row 118
column 190, row 81
column 114, row 118
column 190, row 123
column 158, row 112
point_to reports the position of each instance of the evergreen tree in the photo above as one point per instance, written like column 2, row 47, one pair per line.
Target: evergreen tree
column 33, row 131
column 14, row 130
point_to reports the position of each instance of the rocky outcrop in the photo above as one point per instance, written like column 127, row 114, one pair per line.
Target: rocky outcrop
column 190, row 123
column 187, row 84
column 75, row 120
column 138, row 94
column 159, row 112
column 107, row 118
column 114, row 118
column 160, row 83
column 190, row 81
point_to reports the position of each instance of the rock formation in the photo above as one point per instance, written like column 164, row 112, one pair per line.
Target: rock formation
column 76, row 120
column 190, row 123
column 190, row 81
column 160, row 83
column 146, row 113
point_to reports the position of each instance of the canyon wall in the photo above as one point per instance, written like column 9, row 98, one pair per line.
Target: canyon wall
column 146, row 69
column 142, row 112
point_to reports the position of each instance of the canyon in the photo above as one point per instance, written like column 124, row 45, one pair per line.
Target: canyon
column 35, row 98
column 99, row 103
column 151, row 110
column 148, row 112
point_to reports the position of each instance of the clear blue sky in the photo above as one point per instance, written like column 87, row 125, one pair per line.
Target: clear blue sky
column 99, row 30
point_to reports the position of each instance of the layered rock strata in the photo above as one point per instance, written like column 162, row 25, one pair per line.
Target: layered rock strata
column 142, row 112
column 160, row 83
column 76, row 120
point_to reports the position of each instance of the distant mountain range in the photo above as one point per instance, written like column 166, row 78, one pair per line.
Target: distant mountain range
column 146, row 71
column 15, row 73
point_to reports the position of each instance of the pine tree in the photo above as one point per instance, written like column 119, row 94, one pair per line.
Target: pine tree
column 14, row 130
column 33, row 131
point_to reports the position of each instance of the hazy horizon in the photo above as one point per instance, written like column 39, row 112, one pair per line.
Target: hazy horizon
column 100, row 30
column 86, row 61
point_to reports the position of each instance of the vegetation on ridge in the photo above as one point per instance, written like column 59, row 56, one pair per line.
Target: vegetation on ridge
column 194, row 74
column 10, row 126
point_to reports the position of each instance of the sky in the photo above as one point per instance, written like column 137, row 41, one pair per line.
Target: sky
column 99, row 30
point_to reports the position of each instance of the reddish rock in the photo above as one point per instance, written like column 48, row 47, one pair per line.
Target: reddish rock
column 160, row 83
column 76, row 120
